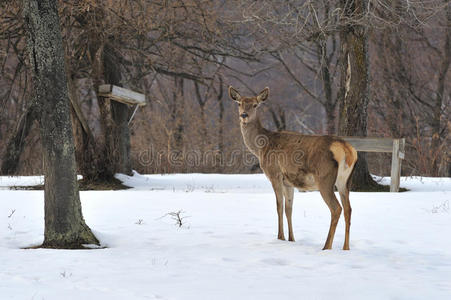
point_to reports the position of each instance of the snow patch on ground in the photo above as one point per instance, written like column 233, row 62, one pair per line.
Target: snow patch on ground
column 8, row 182
column 11, row 181
column 226, row 247
column 417, row 183
column 216, row 183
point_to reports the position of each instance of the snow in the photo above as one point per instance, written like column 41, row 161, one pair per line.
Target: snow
column 226, row 247
column 13, row 181
column 416, row 183
column 8, row 182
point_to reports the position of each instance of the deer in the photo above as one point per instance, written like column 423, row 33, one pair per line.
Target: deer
column 293, row 160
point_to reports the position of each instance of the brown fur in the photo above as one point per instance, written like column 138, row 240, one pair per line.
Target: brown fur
column 342, row 149
column 293, row 160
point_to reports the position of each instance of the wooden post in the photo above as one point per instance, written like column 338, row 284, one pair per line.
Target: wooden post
column 133, row 114
column 397, row 156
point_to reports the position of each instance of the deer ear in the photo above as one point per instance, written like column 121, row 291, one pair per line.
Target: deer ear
column 234, row 95
column 263, row 95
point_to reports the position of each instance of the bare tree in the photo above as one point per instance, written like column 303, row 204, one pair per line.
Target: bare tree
column 354, row 98
column 64, row 223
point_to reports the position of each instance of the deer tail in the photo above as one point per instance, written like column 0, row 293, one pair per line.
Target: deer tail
column 343, row 152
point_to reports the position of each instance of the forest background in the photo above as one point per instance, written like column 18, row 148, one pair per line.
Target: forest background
column 183, row 54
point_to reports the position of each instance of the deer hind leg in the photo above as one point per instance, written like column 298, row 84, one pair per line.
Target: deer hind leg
column 278, row 190
column 327, row 192
column 347, row 210
column 288, row 193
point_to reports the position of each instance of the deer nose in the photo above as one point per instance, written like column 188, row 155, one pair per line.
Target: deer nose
column 244, row 115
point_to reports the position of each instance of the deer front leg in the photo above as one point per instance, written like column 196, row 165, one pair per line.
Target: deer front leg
column 278, row 190
column 288, row 193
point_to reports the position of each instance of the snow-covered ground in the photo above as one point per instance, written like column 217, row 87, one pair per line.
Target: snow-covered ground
column 227, row 246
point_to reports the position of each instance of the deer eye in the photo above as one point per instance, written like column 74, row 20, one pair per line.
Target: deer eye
column 255, row 105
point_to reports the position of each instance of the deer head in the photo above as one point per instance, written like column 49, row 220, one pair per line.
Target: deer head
column 247, row 106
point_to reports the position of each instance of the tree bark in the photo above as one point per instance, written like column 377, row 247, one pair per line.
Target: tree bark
column 202, row 101
column 221, row 157
column 119, row 115
column 115, row 149
column 329, row 103
column 354, row 87
column 221, row 124
column 330, row 118
column 177, row 114
column 64, row 223
column 114, row 117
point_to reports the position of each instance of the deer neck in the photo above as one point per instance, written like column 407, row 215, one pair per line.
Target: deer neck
column 255, row 136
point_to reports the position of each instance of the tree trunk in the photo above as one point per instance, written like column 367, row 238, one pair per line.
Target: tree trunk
column 175, row 143
column 355, row 86
column 220, row 159
column 202, row 101
column 119, row 114
column 177, row 114
column 85, row 152
column 115, row 148
column 221, row 126
column 330, row 118
column 329, row 103
column 11, row 157
column 203, row 130
column 64, row 223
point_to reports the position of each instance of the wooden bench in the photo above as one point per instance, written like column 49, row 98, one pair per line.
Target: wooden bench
column 387, row 145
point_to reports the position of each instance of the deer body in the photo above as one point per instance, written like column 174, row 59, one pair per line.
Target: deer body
column 293, row 160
